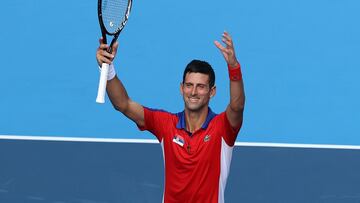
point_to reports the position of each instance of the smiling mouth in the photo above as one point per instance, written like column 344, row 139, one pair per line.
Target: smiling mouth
column 194, row 99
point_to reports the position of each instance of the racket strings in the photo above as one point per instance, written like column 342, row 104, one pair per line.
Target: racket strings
column 113, row 14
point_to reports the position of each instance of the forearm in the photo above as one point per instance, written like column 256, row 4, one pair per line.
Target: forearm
column 116, row 90
column 235, row 108
column 117, row 94
column 237, row 96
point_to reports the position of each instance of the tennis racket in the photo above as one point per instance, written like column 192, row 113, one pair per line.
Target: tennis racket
column 113, row 15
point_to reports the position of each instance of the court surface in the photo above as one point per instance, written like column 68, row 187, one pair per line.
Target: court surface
column 112, row 172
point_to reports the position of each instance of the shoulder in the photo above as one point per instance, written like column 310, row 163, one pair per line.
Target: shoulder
column 158, row 113
column 221, row 121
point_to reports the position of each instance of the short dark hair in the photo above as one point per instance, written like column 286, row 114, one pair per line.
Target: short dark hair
column 198, row 66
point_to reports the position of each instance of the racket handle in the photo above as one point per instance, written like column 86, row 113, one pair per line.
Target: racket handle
column 102, row 83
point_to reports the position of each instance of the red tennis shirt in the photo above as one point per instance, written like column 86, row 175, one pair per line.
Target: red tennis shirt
column 196, row 165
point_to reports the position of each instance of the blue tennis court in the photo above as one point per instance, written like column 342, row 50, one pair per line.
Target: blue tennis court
column 104, row 172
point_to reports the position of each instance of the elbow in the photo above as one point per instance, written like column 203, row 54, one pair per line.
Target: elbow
column 238, row 106
column 120, row 107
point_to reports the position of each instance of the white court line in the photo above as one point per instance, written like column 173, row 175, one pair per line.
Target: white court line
column 154, row 141
column 289, row 145
column 76, row 139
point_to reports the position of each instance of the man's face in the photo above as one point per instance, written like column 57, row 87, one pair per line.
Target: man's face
column 196, row 91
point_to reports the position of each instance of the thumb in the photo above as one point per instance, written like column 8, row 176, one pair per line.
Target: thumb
column 101, row 41
column 115, row 47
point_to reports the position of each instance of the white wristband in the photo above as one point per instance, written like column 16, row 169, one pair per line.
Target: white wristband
column 111, row 73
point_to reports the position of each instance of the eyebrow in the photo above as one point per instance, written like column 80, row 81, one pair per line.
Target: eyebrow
column 190, row 83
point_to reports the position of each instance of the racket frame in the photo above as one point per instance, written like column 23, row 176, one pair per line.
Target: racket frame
column 105, row 32
column 105, row 67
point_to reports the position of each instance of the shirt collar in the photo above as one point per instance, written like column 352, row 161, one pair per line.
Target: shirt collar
column 182, row 122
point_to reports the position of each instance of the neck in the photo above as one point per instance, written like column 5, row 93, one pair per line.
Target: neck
column 195, row 119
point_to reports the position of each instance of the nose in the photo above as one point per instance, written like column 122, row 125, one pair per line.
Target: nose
column 194, row 90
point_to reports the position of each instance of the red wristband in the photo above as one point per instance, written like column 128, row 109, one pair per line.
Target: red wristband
column 235, row 73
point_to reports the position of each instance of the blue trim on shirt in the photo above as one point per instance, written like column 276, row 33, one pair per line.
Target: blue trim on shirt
column 182, row 122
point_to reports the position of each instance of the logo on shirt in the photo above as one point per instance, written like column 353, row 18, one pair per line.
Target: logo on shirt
column 179, row 140
column 206, row 138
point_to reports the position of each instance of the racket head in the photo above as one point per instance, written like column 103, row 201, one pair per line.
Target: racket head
column 113, row 15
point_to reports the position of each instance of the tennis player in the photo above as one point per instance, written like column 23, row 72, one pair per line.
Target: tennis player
column 197, row 143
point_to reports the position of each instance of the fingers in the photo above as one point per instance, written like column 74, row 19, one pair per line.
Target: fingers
column 103, row 46
column 102, row 56
column 227, row 49
column 223, row 49
column 219, row 46
column 226, row 38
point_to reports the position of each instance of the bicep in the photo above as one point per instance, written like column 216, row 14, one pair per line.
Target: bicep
column 135, row 112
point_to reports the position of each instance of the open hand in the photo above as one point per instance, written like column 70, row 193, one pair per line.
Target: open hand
column 228, row 50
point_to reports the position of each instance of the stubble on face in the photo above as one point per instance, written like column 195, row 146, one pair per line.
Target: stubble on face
column 196, row 91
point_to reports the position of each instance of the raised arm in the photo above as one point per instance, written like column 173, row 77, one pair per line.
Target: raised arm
column 235, row 109
column 116, row 90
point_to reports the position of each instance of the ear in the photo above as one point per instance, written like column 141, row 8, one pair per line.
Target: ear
column 213, row 91
column 181, row 88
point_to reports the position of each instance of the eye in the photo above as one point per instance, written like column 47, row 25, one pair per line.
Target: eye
column 202, row 86
column 188, row 85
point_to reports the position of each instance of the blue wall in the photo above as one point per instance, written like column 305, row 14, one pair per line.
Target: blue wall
column 300, row 66
column 89, row 172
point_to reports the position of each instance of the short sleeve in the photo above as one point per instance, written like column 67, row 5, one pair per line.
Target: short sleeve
column 227, row 131
column 157, row 122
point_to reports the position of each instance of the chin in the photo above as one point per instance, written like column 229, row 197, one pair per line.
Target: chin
column 194, row 108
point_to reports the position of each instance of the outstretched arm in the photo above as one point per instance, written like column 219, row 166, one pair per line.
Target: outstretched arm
column 116, row 90
column 235, row 109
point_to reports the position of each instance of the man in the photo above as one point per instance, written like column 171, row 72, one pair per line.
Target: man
column 197, row 143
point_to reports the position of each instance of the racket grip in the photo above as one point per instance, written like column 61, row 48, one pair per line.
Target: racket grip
column 102, row 83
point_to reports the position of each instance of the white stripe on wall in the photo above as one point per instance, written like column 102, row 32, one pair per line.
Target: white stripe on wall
column 154, row 141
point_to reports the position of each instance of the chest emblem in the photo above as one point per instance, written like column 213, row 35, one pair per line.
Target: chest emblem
column 179, row 140
column 206, row 138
